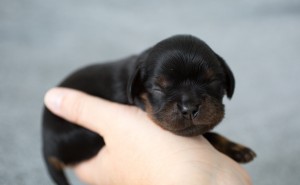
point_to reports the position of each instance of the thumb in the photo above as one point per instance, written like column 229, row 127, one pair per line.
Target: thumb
column 85, row 110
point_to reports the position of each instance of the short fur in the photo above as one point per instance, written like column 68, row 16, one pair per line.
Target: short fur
column 180, row 82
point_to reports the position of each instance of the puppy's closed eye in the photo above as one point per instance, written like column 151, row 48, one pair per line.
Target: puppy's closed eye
column 215, row 84
column 216, row 87
column 157, row 90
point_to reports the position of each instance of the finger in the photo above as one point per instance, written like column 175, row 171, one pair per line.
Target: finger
column 88, row 111
column 95, row 170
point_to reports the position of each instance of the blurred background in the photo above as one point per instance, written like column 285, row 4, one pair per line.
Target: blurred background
column 43, row 41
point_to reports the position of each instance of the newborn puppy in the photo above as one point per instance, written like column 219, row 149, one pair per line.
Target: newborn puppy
column 180, row 82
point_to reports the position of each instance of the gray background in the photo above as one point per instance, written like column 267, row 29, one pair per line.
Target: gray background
column 43, row 41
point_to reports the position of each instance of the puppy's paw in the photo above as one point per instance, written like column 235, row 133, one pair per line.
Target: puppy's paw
column 240, row 153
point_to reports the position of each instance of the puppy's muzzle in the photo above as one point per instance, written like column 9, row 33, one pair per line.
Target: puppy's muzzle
column 189, row 105
column 188, row 110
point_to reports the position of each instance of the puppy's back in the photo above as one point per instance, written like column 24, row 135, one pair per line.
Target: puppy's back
column 65, row 143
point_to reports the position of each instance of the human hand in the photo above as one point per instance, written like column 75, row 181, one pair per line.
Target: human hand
column 137, row 151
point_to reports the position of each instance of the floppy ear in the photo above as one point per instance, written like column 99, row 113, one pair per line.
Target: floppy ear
column 230, row 82
column 135, row 87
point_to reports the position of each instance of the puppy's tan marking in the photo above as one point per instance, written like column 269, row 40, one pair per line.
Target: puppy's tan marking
column 162, row 81
column 209, row 74
column 150, row 112
column 56, row 163
column 236, row 151
column 148, row 107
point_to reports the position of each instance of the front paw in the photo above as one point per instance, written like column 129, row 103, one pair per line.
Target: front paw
column 240, row 153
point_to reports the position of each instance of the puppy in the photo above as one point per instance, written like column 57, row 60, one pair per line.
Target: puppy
column 180, row 82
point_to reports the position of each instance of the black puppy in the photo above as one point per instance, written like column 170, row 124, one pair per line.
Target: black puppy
column 180, row 82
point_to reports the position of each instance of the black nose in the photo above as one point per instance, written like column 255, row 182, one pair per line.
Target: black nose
column 188, row 111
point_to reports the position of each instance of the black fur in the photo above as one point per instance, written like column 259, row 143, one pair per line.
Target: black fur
column 180, row 82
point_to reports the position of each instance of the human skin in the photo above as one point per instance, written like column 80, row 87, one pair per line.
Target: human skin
column 139, row 152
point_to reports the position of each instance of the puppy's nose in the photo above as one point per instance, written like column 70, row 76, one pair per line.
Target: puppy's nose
column 188, row 111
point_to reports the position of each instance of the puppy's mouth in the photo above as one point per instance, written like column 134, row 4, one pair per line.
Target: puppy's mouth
column 169, row 117
column 194, row 130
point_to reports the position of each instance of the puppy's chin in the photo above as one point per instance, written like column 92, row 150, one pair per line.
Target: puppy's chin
column 194, row 130
column 187, row 128
column 171, row 119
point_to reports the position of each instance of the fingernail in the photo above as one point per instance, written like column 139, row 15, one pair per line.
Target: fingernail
column 53, row 99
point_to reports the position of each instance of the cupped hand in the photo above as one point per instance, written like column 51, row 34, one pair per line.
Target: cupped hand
column 137, row 151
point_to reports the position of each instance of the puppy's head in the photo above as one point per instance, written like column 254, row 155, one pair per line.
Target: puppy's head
column 180, row 82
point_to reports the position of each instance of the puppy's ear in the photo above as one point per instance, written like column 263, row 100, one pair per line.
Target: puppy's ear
column 134, row 85
column 230, row 82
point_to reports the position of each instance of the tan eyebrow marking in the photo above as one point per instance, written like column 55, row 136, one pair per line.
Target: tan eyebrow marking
column 162, row 81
